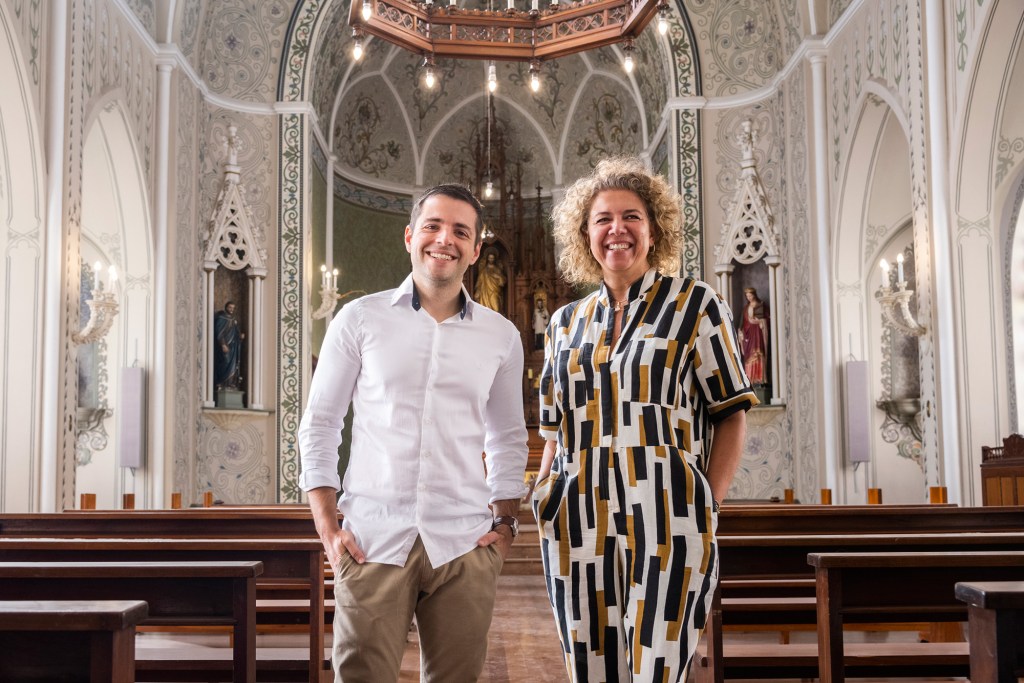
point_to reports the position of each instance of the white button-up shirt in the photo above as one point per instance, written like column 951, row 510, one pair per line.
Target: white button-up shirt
column 428, row 400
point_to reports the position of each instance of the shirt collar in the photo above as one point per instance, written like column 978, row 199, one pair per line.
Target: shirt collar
column 636, row 290
column 407, row 290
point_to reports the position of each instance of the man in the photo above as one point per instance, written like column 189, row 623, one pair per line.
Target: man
column 228, row 356
column 435, row 380
column 540, row 323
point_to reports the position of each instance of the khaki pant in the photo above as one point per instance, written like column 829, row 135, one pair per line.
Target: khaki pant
column 375, row 604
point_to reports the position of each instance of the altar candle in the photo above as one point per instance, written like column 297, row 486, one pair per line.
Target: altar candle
column 899, row 269
column 885, row 272
column 535, row 5
column 113, row 275
column 529, row 373
column 96, row 275
column 323, row 276
column 511, row 4
column 334, row 279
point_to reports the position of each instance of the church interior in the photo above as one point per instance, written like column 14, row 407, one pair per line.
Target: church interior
column 191, row 189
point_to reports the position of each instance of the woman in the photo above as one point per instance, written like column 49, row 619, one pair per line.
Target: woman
column 754, row 336
column 634, row 376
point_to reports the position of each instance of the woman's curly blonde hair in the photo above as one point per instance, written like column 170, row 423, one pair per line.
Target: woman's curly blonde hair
column 570, row 216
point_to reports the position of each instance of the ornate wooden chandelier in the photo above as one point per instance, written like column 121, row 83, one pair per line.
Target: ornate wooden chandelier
column 511, row 34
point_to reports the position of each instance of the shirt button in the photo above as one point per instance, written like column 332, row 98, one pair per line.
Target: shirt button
column 427, row 421
column 423, row 487
column 426, row 454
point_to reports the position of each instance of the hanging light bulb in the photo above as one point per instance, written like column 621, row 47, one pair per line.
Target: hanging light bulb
column 627, row 63
column 357, row 49
column 663, row 18
column 367, row 10
column 488, row 189
column 492, row 78
column 429, row 79
column 534, row 75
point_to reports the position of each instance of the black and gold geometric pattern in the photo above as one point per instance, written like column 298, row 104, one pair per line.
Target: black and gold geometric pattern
column 627, row 529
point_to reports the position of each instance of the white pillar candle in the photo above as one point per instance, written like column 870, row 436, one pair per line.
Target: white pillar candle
column 899, row 269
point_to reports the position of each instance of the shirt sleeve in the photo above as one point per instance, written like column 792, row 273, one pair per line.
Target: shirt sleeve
column 717, row 362
column 330, row 394
column 550, row 410
column 505, row 443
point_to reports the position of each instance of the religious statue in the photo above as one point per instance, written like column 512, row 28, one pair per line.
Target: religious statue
column 540, row 322
column 753, row 335
column 490, row 284
column 227, row 356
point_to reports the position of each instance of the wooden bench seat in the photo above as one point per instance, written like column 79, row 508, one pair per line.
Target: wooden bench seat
column 800, row 660
column 54, row 640
column 996, row 615
column 207, row 593
column 283, row 559
column 879, row 586
column 211, row 664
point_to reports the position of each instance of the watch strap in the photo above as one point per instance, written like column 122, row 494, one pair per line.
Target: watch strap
column 506, row 520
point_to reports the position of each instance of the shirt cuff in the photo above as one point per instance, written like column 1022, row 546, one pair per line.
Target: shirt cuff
column 511, row 493
column 318, row 478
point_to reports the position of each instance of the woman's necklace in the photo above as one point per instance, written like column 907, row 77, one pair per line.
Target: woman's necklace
column 619, row 305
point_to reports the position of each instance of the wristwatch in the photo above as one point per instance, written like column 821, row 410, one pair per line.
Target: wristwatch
column 510, row 521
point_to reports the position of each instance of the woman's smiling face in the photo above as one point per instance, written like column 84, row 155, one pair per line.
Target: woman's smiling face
column 619, row 232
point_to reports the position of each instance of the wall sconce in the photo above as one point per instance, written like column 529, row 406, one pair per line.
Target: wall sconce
column 103, row 309
column 898, row 299
column 329, row 296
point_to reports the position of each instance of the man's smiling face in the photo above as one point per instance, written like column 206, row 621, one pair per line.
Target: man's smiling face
column 442, row 244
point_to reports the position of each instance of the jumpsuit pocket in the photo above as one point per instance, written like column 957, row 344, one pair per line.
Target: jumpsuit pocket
column 540, row 500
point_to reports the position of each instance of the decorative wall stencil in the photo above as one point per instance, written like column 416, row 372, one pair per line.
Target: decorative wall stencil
column 689, row 184
column 836, row 9
column 874, row 46
column 686, row 76
column 190, row 13
column 143, row 9
column 255, row 146
column 232, row 465
column 362, row 139
column 795, row 230
column 29, row 17
column 766, row 468
column 333, row 59
column 557, row 78
column 966, row 20
column 242, row 45
column 113, row 58
column 740, row 44
column 1006, row 156
column 650, row 77
column 188, row 358
column 372, row 199
column 606, row 123
column 873, row 235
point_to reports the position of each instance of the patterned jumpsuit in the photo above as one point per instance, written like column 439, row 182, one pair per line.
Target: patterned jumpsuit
column 626, row 521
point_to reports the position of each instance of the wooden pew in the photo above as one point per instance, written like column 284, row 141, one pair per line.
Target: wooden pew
column 858, row 587
column 50, row 640
column 178, row 593
column 191, row 523
column 748, row 520
column 763, row 575
column 284, row 560
column 996, row 617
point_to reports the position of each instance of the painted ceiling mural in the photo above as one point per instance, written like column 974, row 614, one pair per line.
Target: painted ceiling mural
column 387, row 127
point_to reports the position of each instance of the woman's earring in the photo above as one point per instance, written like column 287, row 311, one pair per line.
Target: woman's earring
column 653, row 245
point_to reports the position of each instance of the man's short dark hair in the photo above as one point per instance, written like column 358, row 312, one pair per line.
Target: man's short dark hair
column 452, row 191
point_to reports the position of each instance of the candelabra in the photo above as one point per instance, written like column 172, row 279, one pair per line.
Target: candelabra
column 103, row 309
column 329, row 296
column 898, row 299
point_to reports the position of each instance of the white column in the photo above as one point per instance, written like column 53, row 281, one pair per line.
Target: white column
column 258, row 341
column 159, row 384
column 778, row 386
column 942, row 265
column 329, row 227
column 822, row 268
column 53, row 248
column 251, row 342
column 208, row 330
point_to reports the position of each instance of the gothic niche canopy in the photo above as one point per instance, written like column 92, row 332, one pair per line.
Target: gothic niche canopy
column 233, row 325
column 747, row 262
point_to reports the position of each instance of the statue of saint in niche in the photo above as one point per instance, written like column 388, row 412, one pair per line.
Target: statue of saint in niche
column 227, row 352
column 754, row 337
column 490, row 284
column 540, row 320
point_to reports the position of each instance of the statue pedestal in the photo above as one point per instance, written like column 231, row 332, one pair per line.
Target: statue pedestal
column 230, row 398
